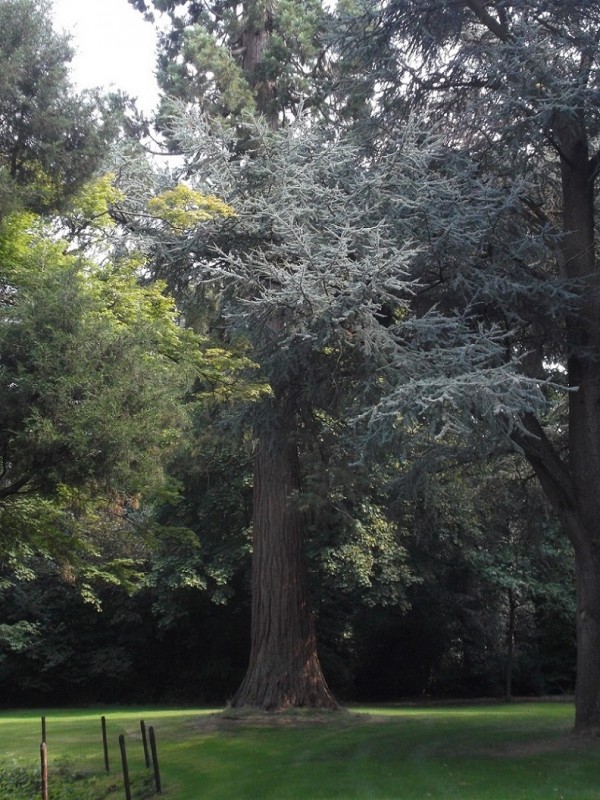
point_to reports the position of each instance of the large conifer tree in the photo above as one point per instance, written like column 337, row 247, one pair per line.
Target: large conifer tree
column 513, row 86
column 232, row 58
column 315, row 270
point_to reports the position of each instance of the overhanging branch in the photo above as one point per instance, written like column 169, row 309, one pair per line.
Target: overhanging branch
column 550, row 469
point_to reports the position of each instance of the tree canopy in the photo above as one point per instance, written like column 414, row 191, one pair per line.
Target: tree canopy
column 93, row 366
column 51, row 138
column 379, row 236
column 512, row 87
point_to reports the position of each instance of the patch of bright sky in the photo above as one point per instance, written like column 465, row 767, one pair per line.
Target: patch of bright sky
column 115, row 47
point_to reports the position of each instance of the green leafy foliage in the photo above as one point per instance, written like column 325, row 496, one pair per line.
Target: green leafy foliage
column 94, row 368
column 84, row 354
column 182, row 208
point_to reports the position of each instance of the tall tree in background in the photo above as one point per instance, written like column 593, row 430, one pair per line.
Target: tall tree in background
column 93, row 368
column 93, row 365
column 51, row 139
column 514, row 87
column 231, row 57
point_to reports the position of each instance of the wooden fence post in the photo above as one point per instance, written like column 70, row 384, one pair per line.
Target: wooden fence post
column 145, row 743
column 155, row 760
column 44, row 759
column 105, row 746
column 125, row 767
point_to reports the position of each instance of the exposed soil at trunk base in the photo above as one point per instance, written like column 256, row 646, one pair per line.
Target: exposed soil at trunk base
column 232, row 719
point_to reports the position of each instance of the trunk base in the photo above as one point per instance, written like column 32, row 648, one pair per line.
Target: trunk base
column 591, row 732
column 279, row 690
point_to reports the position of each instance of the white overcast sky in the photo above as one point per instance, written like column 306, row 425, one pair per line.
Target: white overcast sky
column 114, row 46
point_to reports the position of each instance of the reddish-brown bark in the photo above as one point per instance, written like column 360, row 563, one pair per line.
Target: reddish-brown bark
column 284, row 669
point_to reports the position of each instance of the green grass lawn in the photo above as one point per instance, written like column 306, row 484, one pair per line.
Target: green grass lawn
column 482, row 752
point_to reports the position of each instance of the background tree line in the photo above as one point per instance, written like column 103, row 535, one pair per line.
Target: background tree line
column 464, row 591
column 321, row 347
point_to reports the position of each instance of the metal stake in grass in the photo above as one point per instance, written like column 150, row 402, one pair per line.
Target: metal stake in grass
column 125, row 767
column 145, row 743
column 44, row 759
column 155, row 760
column 44, row 730
column 105, row 746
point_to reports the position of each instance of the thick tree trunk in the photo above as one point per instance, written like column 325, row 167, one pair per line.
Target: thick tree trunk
column 284, row 669
column 254, row 40
column 583, row 334
column 587, row 693
column 583, row 523
column 573, row 487
column 578, row 508
column 583, row 527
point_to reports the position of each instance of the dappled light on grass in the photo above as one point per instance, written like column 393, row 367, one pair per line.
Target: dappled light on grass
column 471, row 752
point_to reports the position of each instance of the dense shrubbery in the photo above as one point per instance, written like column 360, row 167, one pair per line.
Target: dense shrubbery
column 169, row 641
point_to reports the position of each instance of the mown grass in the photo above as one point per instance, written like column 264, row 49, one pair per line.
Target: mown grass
column 479, row 752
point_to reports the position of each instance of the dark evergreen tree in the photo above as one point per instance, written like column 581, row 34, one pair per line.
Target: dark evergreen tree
column 51, row 139
column 512, row 87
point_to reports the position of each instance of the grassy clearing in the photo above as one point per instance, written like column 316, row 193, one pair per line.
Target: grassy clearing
column 487, row 752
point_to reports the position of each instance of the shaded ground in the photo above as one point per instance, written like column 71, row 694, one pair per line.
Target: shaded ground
column 233, row 718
